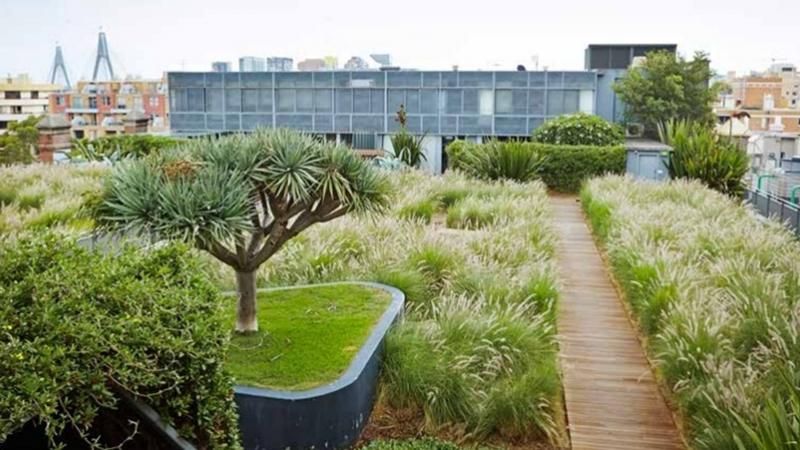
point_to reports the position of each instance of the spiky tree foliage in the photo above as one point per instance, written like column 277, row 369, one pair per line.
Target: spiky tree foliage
column 241, row 198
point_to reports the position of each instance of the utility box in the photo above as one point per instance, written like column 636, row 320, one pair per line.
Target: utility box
column 647, row 159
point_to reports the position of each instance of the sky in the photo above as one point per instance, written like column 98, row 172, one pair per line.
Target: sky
column 149, row 37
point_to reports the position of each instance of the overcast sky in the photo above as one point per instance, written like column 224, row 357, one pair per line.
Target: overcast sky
column 148, row 37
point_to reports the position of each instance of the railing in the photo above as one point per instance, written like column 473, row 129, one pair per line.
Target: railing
column 774, row 207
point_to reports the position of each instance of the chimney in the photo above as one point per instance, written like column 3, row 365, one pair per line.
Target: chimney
column 54, row 135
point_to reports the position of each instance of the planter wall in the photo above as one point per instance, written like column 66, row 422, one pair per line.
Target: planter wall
column 326, row 417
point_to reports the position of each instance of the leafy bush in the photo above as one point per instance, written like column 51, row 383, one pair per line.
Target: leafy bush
column 455, row 153
column 698, row 152
column 716, row 291
column 19, row 142
column 411, row 444
column 120, row 146
column 561, row 167
column 77, row 326
column 564, row 168
column 579, row 129
column 501, row 161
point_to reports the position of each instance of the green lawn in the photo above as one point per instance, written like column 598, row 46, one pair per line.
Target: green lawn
column 307, row 337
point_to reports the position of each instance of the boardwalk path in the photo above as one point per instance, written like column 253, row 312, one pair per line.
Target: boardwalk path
column 611, row 397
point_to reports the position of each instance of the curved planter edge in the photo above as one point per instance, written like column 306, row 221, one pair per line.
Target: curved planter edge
column 325, row 417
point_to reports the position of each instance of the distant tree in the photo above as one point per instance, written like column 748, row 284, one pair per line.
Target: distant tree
column 240, row 198
column 18, row 145
column 668, row 87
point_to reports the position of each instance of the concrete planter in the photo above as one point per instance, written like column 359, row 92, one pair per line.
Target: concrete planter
column 325, row 417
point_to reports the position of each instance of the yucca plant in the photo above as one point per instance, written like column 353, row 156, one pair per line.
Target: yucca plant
column 502, row 161
column 700, row 153
column 408, row 148
column 241, row 198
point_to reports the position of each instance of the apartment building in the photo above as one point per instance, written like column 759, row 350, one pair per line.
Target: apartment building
column 21, row 97
column 279, row 64
column 252, row 64
column 98, row 108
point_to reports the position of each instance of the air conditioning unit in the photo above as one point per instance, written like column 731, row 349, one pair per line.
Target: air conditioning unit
column 634, row 130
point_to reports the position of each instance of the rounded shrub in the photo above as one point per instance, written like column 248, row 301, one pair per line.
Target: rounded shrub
column 579, row 129
column 78, row 329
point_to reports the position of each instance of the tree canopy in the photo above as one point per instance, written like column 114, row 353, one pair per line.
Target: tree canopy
column 668, row 87
column 241, row 197
column 21, row 138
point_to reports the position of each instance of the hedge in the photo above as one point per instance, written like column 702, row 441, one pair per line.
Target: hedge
column 562, row 167
column 120, row 146
column 76, row 326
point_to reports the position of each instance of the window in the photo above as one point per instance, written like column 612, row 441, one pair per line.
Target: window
column 34, row 95
column 76, row 103
column 233, row 100
column 12, row 95
column 154, row 102
column 285, row 99
column 106, row 100
column 305, row 100
column 344, row 100
column 16, row 109
column 322, row 100
column 59, row 100
column 213, row 100
column 92, row 102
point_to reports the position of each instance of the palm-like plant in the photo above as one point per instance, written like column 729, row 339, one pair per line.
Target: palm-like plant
column 502, row 161
column 241, row 198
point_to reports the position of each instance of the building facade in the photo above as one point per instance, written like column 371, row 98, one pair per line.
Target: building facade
column 20, row 98
column 279, row 64
column 98, row 108
column 221, row 66
column 359, row 107
column 311, row 65
column 252, row 64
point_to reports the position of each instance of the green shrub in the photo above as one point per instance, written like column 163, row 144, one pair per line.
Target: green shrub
column 698, row 152
column 561, row 167
column 7, row 195
column 120, row 146
column 564, row 168
column 579, row 129
column 411, row 444
column 30, row 201
column 77, row 324
column 455, row 153
column 422, row 210
column 501, row 161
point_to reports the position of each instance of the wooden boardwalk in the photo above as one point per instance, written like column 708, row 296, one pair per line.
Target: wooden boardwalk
column 611, row 397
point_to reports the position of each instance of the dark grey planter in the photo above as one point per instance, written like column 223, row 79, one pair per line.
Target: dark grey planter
column 325, row 417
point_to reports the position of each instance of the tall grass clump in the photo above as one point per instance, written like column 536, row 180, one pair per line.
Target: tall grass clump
column 47, row 196
column 716, row 291
column 475, row 353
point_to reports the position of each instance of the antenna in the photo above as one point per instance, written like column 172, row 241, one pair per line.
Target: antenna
column 102, row 55
column 58, row 63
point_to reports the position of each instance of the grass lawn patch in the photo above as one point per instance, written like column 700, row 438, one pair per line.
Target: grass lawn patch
column 307, row 337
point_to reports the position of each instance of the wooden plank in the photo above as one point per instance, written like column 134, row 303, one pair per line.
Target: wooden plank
column 611, row 396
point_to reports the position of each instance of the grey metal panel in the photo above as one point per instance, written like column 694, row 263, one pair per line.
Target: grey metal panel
column 231, row 80
column 233, row 100
column 404, row 79
column 213, row 80
column 304, row 99
column 555, row 79
column 233, row 122
column 475, row 79
column 323, row 79
column 412, row 101
column 431, row 79
column 511, row 79
column 362, row 123
column 284, row 100
column 323, row 100
column 344, row 100
column 294, row 121
column 450, row 79
column 511, row 125
column 536, row 79
column 534, row 123
column 323, row 123
column 361, row 101
column 377, row 101
column 475, row 125
column 367, row 79
column 256, row 79
column 430, row 124
column 189, row 122
column 253, row 121
column 293, row 79
column 341, row 123
column 215, row 121
column 449, row 124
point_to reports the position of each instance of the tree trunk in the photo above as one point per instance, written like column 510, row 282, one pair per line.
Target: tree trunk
column 246, row 320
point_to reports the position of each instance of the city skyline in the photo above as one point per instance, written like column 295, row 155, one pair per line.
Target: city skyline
column 148, row 38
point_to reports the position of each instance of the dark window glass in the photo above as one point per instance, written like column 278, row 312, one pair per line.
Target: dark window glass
column 344, row 101
column 213, row 100
column 233, row 100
